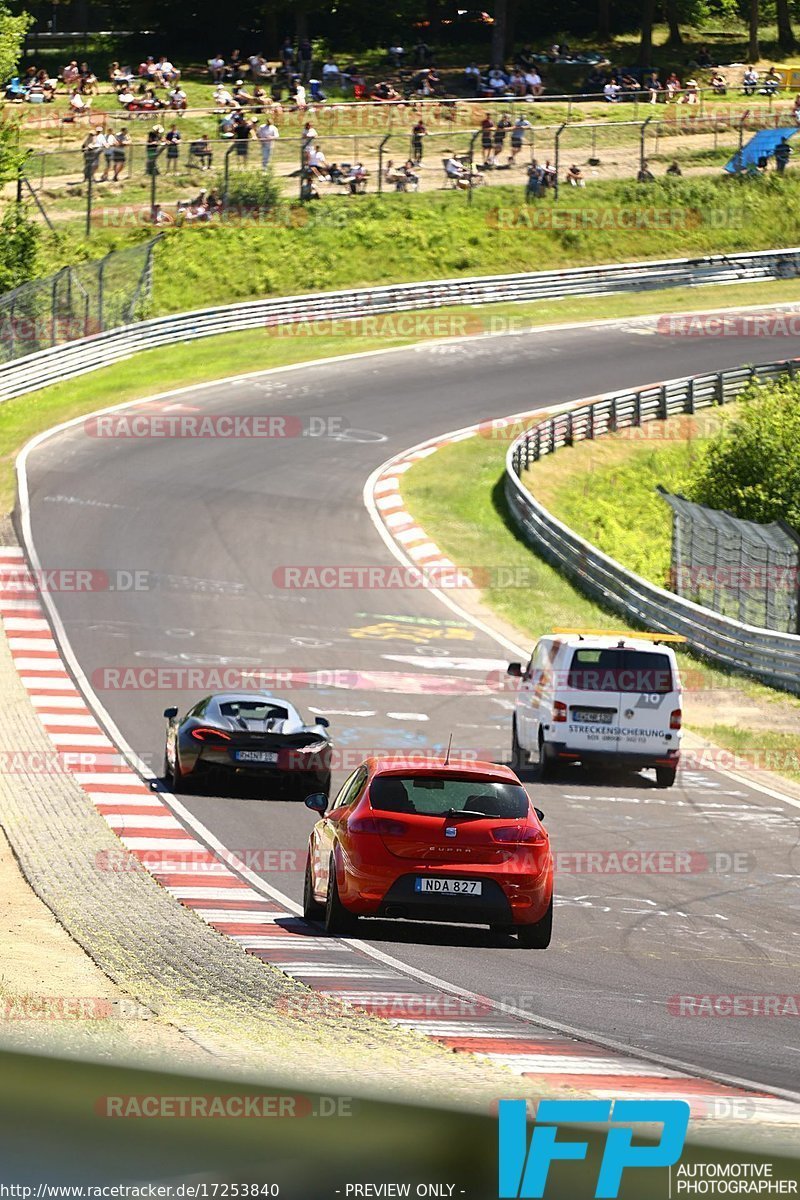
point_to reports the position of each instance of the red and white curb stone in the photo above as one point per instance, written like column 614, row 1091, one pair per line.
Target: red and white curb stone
column 340, row 974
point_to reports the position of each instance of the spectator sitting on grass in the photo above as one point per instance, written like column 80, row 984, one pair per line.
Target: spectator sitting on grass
column 125, row 96
column 318, row 164
column 673, row 86
column 216, row 67
column 177, row 99
column 240, row 95
column 750, row 81
column 772, row 82
column 78, row 106
column 644, row 174
column 783, row 152
column 674, row 168
column 222, row 97
column 611, row 91
column 719, row 84
column 654, row 87
column 690, row 89
column 533, row 82
column 71, row 73
column 89, row 85
column 630, row 85
column 168, row 72
column 574, row 177
column 385, row 91
column 472, row 77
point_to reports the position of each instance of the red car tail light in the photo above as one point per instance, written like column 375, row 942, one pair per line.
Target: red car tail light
column 517, row 834
column 383, row 826
column 559, row 711
column 210, row 735
column 676, row 716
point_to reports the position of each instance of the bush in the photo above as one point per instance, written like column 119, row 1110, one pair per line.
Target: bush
column 250, row 191
column 752, row 468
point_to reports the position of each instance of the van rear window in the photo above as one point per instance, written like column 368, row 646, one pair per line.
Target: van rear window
column 620, row 670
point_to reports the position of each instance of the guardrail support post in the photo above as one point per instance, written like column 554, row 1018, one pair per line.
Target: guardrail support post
column 589, row 422
column 612, row 416
column 690, row 406
column 637, row 408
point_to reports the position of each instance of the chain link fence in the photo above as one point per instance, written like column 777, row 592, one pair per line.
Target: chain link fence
column 739, row 568
column 76, row 301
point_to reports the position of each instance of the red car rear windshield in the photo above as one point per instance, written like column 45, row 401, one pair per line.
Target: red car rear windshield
column 436, row 796
column 620, row 670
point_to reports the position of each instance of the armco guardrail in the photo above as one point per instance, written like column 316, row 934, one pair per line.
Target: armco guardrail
column 88, row 354
column 772, row 657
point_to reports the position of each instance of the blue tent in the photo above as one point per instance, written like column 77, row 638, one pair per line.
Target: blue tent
column 761, row 144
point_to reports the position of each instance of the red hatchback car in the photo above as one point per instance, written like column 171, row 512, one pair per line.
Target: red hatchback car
column 457, row 841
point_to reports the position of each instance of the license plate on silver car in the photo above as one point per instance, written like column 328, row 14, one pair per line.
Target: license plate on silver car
column 256, row 756
column 449, row 887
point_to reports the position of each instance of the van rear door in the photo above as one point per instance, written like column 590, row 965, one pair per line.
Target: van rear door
column 649, row 696
column 592, row 700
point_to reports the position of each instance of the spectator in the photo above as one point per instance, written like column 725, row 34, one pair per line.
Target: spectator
column 173, row 140
column 595, row 82
column 79, row 107
column 418, row 134
column 106, row 143
column 772, row 82
column 396, row 55
column 357, row 179
column 318, row 164
column 125, row 96
column 267, row 135
column 796, row 110
column 120, row 152
column 331, row 73
column 518, row 137
column 750, row 81
column 71, row 73
column 703, row 57
column 153, row 149
column 533, row 82
column 673, row 86
column 500, row 130
column 574, row 177
column 783, row 152
column 487, row 139
column 674, row 168
column 309, row 136
column 611, row 91
column 223, row 98
column 535, row 184
column 472, row 78
column 690, row 90
column 92, row 147
column 654, row 87
column 644, row 174
column 630, row 86
column 177, row 99
column 242, row 132
column 88, row 81
column 422, row 53
column 168, row 72
column 216, row 67
column 287, row 54
column 719, row 84
column 201, row 150
column 159, row 217
column 300, row 95
column 305, row 54
column 235, row 64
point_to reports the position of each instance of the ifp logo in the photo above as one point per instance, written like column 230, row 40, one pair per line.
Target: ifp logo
column 524, row 1169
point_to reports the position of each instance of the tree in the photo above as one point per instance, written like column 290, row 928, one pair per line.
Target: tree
column 646, row 42
column 498, row 53
column 604, row 20
column 671, row 13
column 12, row 35
column 754, row 50
column 786, row 39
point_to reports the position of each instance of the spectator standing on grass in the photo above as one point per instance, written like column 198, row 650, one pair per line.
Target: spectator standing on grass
column 499, row 140
column 108, row 142
column 242, row 132
column 783, row 152
column 305, row 53
column 173, row 140
column 487, row 139
column 309, row 136
column 518, row 137
column 91, row 155
column 287, row 53
column 418, row 134
column 267, row 135
column 535, row 185
column 119, row 155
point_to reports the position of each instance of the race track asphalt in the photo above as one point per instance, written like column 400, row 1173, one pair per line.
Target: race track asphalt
column 211, row 520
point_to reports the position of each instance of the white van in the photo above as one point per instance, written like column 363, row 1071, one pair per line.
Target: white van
column 597, row 696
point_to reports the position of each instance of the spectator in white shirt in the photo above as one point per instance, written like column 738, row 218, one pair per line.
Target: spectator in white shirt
column 611, row 91
column 533, row 83
column 216, row 66
column 222, row 97
column 267, row 134
column 177, row 99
